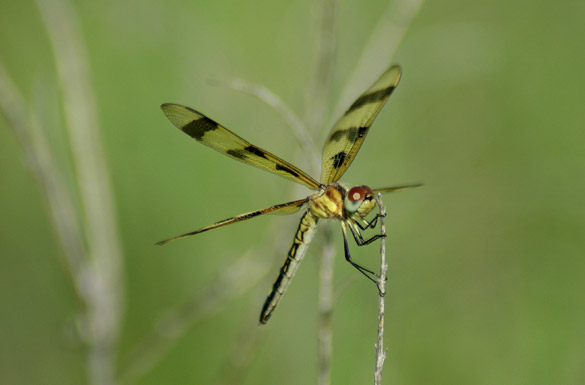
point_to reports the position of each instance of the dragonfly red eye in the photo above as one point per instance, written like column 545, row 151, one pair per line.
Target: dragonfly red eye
column 356, row 194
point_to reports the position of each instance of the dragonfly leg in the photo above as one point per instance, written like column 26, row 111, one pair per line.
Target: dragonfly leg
column 359, row 239
column 371, row 224
column 367, row 272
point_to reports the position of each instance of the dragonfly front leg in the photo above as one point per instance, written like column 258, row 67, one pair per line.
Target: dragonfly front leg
column 359, row 240
column 357, row 235
column 367, row 272
column 371, row 224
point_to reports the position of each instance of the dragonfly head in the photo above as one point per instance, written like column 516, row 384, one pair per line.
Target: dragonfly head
column 360, row 200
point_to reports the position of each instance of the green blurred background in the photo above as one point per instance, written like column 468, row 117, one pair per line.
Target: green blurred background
column 487, row 268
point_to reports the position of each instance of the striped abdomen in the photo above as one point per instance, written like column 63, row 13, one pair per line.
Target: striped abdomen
column 296, row 253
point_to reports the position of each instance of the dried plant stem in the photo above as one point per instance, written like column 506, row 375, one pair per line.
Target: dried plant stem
column 240, row 277
column 39, row 158
column 326, row 301
column 243, row 349
column 380, row 350
column 272, row 100
column 317, row 100
column 315, row 115
column 379, row 49
column 100, row 283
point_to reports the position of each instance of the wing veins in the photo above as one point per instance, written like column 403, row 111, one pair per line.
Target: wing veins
column 349, row 132
column 283, row 208
column 214, row 135
column 396, row 188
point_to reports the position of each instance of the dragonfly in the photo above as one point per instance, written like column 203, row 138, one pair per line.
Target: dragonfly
column 331, row 200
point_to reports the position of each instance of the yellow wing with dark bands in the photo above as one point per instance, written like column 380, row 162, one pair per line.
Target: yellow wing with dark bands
column 216, row 136
column 348, row 134
column 283, row 208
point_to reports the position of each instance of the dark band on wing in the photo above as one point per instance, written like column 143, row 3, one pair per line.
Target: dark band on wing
column 286, row 169
column 373, row 97
column 244, row 154
column 338, row 159
column 256, row 151
column 362, row 131
column 352, row 134
column 198, row 127
column 237, row 154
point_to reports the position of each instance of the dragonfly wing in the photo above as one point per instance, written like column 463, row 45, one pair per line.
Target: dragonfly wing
column 396, row 188
column 348, row 134
column 216, row 136
column 283, row 208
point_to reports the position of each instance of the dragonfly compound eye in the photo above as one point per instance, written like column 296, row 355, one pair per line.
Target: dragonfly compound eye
column 354, row 198
column 356, row 194
column 368, row 191
column 368, row 202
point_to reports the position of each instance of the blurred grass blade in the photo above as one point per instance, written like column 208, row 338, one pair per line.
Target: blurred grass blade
column 379, row 50
column 101, row 284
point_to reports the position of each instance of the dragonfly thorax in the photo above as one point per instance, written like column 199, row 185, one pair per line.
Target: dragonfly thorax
column 328, row 203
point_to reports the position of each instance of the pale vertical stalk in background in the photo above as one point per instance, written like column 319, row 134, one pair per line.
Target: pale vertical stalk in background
column 40, row 160
column 317, row 101
column 326, row 302
column 315, row 115
column 378, row 50
column 101, row 283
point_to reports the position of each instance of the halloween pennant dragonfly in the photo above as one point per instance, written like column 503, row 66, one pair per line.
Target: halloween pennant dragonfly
column 331, row 200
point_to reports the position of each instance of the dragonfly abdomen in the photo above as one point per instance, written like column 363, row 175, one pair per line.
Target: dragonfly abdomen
column 297, row 251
